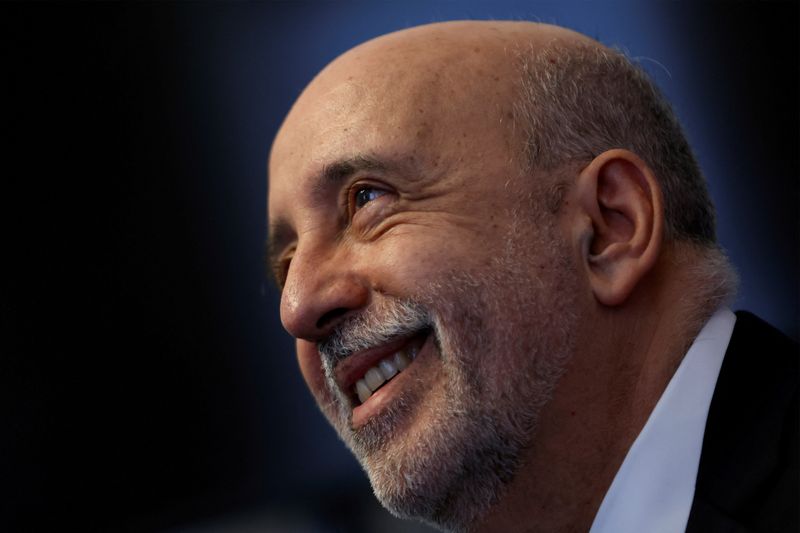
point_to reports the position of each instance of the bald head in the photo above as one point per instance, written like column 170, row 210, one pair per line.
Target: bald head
column 456, row 57
column 464, row 49
column 453, row 81
column 544, row 95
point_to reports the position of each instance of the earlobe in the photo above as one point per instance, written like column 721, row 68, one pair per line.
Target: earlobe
column 622, row 211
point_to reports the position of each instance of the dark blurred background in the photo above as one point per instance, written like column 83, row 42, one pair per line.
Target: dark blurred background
column 145, row 382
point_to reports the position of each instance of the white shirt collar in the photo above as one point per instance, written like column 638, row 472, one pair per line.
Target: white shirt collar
column 654, row 487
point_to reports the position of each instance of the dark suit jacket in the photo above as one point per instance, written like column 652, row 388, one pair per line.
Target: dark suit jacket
column 748, row 475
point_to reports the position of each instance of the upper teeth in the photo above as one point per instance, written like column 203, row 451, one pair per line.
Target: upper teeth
column 383, row 372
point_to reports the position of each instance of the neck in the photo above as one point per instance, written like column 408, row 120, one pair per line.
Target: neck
column 625, row 358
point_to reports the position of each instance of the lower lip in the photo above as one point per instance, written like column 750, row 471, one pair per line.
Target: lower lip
column 386, row 394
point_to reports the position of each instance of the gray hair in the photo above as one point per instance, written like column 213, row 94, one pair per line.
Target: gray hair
column 576, row 102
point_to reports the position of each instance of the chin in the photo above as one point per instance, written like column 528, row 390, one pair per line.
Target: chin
column 449, row 477
column 445, row 464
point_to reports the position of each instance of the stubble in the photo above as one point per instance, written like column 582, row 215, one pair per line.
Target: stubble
column 503, row 335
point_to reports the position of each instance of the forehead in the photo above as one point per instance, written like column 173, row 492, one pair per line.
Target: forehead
column 397, row 102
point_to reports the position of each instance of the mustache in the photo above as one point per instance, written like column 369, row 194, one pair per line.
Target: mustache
column 381, row 323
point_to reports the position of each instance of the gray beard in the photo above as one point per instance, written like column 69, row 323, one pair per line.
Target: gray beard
column 499, row 377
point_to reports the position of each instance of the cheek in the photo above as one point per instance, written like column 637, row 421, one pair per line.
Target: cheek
column 415, row 258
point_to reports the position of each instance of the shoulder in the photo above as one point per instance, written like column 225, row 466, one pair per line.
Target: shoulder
column 760, row 370
column 749, row 464
column 753, row 335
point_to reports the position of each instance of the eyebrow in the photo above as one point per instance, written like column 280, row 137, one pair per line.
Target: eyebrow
column 280, row 233
column 334, row 174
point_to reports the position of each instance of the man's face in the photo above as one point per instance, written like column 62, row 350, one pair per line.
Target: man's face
column 429, row 293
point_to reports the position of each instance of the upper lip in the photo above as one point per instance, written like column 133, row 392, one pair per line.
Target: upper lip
column 353, row 368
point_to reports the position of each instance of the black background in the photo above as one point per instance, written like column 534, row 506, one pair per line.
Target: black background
column 137, row 379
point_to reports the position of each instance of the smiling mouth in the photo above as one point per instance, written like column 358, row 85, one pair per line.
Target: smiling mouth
column 373, row 370
column 387, row 369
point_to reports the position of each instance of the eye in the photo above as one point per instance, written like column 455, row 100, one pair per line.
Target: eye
column 280, row 271
column 365, row 194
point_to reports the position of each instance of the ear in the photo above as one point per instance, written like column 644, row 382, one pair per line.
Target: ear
column 621, row 223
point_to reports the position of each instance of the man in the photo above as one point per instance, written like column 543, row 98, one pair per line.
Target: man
column 498, row 257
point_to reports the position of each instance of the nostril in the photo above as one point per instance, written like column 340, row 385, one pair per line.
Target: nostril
column 330, row 316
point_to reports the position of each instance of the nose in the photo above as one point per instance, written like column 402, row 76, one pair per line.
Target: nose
column 320, row 291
